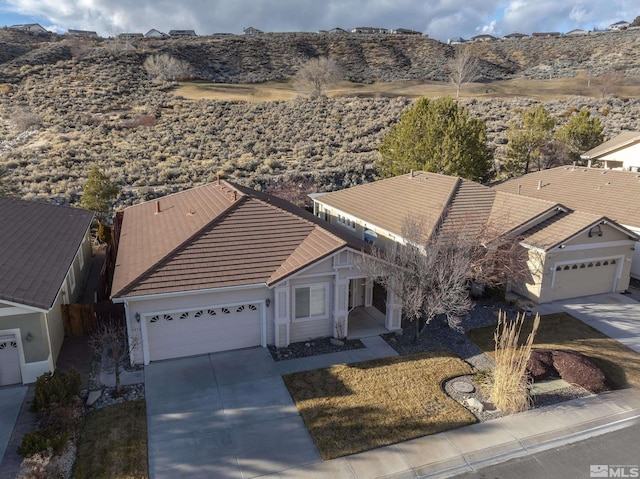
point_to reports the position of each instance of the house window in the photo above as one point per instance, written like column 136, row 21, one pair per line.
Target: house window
column 311, row 302
column 370, row 236
column 72, row 279
column 346, row 222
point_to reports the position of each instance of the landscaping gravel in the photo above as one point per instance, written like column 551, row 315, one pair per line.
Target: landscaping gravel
column 305, row 349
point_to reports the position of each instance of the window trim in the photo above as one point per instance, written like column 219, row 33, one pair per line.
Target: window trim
column 324, row 285
column 344, row 220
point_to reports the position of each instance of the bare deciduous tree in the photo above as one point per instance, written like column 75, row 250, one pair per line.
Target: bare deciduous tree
column 112, row 337
column 463, row 68
column 316, row 76
column 164, row 67
column 608, row 82
column 431, row 276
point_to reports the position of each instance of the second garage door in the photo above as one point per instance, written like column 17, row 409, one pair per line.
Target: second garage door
column 187, row 333
column 585, row 278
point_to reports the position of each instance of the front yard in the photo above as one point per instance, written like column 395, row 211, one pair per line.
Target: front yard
column 113, row 443
column 620, row 364
column 355, row 407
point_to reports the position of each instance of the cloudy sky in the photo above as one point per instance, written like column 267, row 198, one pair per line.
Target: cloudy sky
column 440, row 19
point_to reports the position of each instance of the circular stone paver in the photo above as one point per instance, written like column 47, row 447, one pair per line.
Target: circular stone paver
column 463, row 387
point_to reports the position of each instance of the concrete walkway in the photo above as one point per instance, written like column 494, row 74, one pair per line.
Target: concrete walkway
column 11, row 399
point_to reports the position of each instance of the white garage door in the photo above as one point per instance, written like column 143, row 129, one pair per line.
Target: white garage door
column 9, row 361
column 585, row 278
column 175, row 335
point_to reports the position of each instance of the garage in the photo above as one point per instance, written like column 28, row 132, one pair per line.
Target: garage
column 585, row 278
column 201, row 331
column 9, row 361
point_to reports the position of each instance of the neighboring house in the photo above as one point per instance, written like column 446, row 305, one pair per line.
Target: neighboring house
column 570, row 253
column 620, row 153
column 153, row 33
column 221, row 267
column 337, row 30
column 82, row 33
column 369, row 30
column 615, row 194
column 515, row 36
column 482, row 38
column 546, row 34
column 621, row 25
column 130, row 36
column 44, row 252
column 576, row 32
column 182, row 33
column 30, row 28
column 455, row 41
column 405, row 31
column 251, row 31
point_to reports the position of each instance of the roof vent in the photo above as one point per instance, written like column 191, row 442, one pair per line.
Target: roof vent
column 157, row 207
column 539, row 184
column 411, row 173
column 519, row 189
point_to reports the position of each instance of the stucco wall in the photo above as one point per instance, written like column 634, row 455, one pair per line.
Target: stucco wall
column 629, row 156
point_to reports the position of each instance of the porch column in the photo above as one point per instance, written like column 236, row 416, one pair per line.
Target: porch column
column 282, row 316
column 368, row 293
column 341, row 309
column 393, row 321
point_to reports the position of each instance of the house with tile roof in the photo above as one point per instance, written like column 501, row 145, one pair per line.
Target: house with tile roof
column 221, row 267
column 34, row 28
column 621, row 152
column 611, row 193
column 570, row 253
column 44, row 252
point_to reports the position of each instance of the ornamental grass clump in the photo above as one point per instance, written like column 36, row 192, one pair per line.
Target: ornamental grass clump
column 509, row 381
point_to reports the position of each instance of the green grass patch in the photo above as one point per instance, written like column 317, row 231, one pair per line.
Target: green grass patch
column 356, row 407
column 113, row 443
column 620, row 364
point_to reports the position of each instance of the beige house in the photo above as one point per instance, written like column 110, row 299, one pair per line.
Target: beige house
column 610, row 193
column 571, row 253
column 222, row 267
column 44, row 252
column 619, row 153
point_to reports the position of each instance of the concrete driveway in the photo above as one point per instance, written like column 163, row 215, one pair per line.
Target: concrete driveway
column 223, row 415
column 616, row 315
column 10, row 403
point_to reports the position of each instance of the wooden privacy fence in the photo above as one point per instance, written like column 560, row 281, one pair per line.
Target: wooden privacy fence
column 81, row 319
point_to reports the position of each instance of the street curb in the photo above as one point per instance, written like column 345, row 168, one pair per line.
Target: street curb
column 476, row 465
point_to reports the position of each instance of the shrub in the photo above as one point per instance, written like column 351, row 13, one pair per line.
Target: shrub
column 42, row 440
column 56, row 388
column 104, row 233
column 509, row 380
column 164, row 67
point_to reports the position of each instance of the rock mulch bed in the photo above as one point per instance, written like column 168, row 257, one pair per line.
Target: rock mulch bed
column 132, row 392
column 305, row 349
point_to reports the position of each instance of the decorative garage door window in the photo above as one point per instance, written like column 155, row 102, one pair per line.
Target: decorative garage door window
column 12, row 344
column 185, row 315
column 590, row 264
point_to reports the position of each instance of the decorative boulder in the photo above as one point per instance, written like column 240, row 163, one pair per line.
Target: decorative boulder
column 540, row 365
column 576, row 368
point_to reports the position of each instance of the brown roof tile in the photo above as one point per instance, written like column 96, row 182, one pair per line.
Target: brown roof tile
column 389, row 203
column 615, row 194
column 38, row 242
column 511, row 212
column 254, row 239
column 559, row 228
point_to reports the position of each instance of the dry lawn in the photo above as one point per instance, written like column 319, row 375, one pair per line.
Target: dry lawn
column 113, row 443
column 361, row 406
column 543, row 90
column 620, row 364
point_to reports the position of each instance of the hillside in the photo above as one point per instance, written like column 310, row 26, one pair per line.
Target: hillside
column 66, row 104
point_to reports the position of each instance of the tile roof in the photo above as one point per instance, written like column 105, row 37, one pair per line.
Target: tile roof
column 512, row 212
column 38, row 242
column 203, row 238
column 624, row 139
column 559, row 228
column 611, row 193
column 390, row 202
